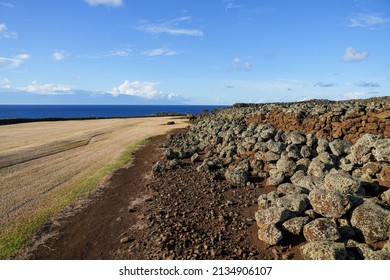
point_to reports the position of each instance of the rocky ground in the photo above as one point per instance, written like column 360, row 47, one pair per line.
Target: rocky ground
column 305, row 180
column 329, row 163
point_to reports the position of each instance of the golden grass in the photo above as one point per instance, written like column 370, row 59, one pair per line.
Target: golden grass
column 39, row 185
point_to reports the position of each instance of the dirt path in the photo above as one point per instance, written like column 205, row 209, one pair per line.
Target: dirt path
column 177, row 214
column 41, row 163
column 94, row 231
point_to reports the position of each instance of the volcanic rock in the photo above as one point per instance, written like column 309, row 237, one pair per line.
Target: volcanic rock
column 270, row 234
column 295, row 225
column 321, row 229
column 324, row 250
column 328, row 203
column 372, row 221
column 272, row 215
column 343, row 182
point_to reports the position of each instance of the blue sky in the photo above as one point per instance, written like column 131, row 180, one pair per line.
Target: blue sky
column 193, row 52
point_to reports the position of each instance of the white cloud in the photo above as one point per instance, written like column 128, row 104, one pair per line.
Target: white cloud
column 235, row 63
column 120, row 53
column 172, row 95
column 59, row 55
column 5, row 34
column 5, row 83
column 7, row 4
column 145, row 90
column 9, row 63
column 14, row 62
column 171, row 27
column 238, row 65
column 248, row 66
column 117, row 53
column 22, row 56
column 355, row 95
column 368, row 21
column 47, row 89
column 136, row 88
column 113, row 3
column 128, row 52
column 352, row 54
column 159, row 51
column 231, row 5
column 322, row 84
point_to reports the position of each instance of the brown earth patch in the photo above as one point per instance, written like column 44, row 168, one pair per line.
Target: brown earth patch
column 179, row 214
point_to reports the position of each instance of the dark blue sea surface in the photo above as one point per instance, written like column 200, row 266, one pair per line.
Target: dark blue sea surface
column 95, row 111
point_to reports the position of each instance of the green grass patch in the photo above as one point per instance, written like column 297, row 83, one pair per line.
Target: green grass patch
column 16, row 236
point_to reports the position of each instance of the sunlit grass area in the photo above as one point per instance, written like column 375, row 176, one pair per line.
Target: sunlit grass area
column 18, row 234
column 35, row 188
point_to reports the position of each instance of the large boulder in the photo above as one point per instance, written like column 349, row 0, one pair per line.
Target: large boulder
column 296, row 203
column 293, row 137
column 269, row 234
column 272, row 215
column 305, row 152
column 328, row 203
column 327, row 159
column 322, row 145
column 292, row 151
column 311, row 140
column 288, row 188
column 303, row 164
column 276, row 147
column 372, row 221
column 321, row 229
column 295, row 225
column 317, row 168
column 385, row 196
column 381, row 150
column 339, row 147
column 384, row 176
column 307, row 182
column 343, row 182
column 361, row 150
column 370, row 170
column 368, row 253
column 324, row 250
column 266, row 131
column 237, row 175
column 286, row 165
column 275, row 178
column 270, row 157
column 267, row 200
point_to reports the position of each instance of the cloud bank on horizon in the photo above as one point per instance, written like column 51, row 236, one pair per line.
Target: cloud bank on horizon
column 193, row 52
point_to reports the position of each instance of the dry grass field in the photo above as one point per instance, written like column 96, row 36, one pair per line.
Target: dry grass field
column 46, row 165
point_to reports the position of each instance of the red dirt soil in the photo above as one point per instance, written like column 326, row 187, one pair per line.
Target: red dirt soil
column 138, row 215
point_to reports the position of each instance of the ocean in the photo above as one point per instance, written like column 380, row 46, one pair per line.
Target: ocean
column 96, row 111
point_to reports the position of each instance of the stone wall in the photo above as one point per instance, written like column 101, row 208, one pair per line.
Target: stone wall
column 347, row 120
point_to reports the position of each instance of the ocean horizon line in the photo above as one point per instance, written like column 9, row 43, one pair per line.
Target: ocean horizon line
column 97, row 111
column 15, row 104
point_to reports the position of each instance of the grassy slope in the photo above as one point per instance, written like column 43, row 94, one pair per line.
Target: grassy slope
column 13, row 239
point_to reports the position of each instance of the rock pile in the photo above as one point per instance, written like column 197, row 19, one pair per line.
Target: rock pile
column 330, row 191
column 348, row 120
